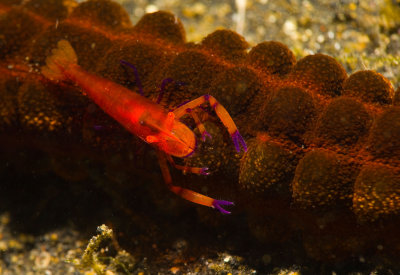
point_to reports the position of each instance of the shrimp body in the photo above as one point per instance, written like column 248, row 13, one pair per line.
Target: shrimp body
column 146, row 119
column 141, row 116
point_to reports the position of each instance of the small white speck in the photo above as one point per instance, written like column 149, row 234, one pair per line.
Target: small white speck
column 10, row 67
column 308, row 32
column 309, row 51
column 151, row 8
column 227, row 259
column 289, row 27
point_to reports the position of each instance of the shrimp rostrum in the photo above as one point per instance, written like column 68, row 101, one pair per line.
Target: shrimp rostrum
column 145, row 118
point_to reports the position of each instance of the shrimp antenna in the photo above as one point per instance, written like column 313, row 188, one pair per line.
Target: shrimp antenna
column 162, row 88
column 164, row 84
column 135, row 72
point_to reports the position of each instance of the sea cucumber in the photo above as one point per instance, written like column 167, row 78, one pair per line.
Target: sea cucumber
column 319, row 141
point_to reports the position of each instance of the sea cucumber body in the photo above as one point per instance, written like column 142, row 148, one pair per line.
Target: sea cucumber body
column 320, row 142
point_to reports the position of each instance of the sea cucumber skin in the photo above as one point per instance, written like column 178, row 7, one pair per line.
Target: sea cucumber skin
column 320, row 141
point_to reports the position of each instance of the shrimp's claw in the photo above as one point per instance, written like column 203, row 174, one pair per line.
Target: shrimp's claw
column 238, row 140
column 217, row 204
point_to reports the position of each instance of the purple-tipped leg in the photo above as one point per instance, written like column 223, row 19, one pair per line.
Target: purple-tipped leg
column 218, row 203
column 205, row 135
column 204, row 171
column 238, row 140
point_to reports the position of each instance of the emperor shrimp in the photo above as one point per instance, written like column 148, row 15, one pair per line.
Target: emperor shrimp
column 146, row 119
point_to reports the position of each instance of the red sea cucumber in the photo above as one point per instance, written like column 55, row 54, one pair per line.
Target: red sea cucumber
column 327, row 141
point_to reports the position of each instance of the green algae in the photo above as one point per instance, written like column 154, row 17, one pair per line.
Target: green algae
column 97, row 256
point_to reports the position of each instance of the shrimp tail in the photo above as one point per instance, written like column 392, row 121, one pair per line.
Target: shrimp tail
column 62, row 56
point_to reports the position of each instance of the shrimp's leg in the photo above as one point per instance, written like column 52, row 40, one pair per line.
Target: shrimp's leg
column 221, row 112
column 199, row 124
column 194, row 170
column 189, row 194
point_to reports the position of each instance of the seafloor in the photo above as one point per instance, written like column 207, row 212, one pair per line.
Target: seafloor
column 360, row 34
column 47, row 222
